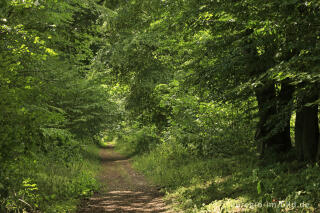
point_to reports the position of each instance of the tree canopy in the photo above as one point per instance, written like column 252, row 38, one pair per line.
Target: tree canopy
column 214, row 78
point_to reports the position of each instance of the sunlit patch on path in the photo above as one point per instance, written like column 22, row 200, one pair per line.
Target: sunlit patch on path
column 124, row 189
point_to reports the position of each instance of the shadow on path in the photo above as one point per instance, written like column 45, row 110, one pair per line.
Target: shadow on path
column 126, row 201
column 123, row 189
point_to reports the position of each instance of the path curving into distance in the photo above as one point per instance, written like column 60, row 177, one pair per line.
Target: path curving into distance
column 124, row 190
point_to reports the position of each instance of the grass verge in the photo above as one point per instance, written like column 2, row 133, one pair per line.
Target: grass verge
column 53, row 181
column 238, row 183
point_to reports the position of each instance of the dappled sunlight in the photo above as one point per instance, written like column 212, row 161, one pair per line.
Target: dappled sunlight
column 211, row 106
column 123, row 189
column 126, row 201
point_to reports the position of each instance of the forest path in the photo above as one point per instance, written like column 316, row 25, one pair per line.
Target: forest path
column 124, row 190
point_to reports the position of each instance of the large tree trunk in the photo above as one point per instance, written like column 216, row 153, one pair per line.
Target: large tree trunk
column 298, row 134
column 318, row 155
column 284, row 111
column 273, row 130
column 307, row 127
column 266, row 95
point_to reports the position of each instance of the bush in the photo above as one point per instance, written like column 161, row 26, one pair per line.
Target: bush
column 49, row 182
column 137, row 141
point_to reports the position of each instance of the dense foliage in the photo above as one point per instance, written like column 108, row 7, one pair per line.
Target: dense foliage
column 51, row 105
column 210, row 83
column 218, row 100
column 262, row 60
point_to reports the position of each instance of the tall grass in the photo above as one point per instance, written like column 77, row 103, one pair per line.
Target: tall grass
column 231, row 183
column 53, row 181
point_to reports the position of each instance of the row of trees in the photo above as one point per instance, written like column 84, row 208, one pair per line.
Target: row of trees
column 46, row 48
column 207, row 75
column 258, row 56
column 50, row 100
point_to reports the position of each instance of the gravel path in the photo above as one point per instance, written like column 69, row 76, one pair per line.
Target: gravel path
column 124, row 190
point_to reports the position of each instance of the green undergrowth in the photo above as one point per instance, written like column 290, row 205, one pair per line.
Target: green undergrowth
column 236, row 183
column 136, row 141
column 51, row 181
column 106, row 141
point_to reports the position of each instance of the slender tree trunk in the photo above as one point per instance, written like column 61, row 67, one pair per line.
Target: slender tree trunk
column 307, row 127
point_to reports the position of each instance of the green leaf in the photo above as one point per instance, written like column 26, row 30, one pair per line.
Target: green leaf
column 259, row 187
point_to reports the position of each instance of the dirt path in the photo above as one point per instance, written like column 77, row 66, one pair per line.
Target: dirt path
column 124, row 190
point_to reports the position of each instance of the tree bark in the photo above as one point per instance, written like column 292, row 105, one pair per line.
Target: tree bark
column 273, row 129
column 266, row 95
column 307, row 127
column 284, row 111
column 318, row 155
column 298, row 134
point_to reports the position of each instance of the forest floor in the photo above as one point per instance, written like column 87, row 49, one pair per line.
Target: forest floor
column 123, row 189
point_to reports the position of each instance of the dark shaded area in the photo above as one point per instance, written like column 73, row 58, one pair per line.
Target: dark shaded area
column 307, row 126
column 273, row 129
column 125, row 201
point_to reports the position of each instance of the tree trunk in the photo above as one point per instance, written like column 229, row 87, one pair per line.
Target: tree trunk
column 284, row 111
column 307, row 128
column 266, row 95
column 298, row 134
column 318, row 155
column 273, row 111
